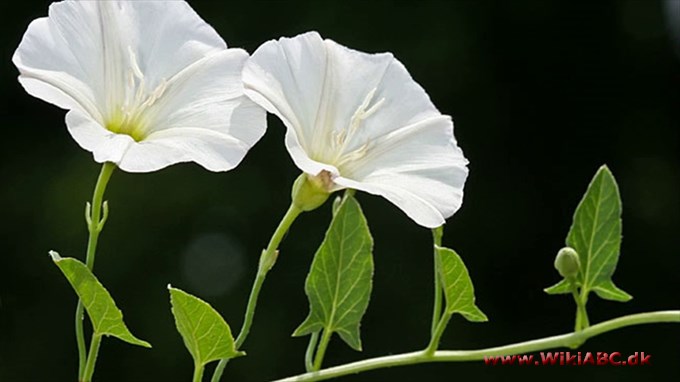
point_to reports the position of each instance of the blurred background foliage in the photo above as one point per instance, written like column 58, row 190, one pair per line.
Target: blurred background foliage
column 541, row 92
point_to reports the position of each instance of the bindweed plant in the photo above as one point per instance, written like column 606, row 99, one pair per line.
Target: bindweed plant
column 149, row 84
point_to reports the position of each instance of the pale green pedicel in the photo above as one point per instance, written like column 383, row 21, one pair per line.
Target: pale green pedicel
column 95, row 224
column 340, row 280
column 205, row 333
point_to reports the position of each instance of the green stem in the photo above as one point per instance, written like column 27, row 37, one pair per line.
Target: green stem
column 437, row 309
column 95, row 224
column 581, row 312
column 321, row 350
column 217, row 374
column 437, row 334
column 92, row 357
column 80, row 340
column 309, row 354
column 563, row 340
column 267, row 260
column 198, row 373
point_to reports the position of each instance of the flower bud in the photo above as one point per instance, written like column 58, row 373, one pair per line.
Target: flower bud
column 310, row 192
column 567, row 262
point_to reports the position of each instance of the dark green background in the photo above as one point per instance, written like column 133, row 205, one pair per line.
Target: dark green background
column 542, row 93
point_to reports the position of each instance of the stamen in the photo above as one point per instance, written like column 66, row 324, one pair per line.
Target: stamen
column 373, row 109
column 156, row 94
column 341, row 138
column 134, row 65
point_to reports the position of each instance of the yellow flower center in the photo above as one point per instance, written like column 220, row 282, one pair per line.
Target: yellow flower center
column 131, row 116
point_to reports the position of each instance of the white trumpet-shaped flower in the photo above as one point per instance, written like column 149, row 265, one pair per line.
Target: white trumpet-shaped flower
column 147, row 83
column 358, row 120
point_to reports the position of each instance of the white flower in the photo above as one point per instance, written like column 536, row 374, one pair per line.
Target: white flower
column 147, row 83
column 358, row 120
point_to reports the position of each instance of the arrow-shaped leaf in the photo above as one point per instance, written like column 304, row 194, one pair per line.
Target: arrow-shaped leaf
column 562, row 287
column 595, row 234
column 339, row 283
column 106, row 318
column 205, row 333
column 458, row 289
column 608, row 291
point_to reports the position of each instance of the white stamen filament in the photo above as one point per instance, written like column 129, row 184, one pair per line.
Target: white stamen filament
column 133, row 64
column 343, row 137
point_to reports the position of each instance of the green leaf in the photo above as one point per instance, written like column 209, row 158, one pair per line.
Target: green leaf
column 458, row 289
column 205, row 333
column 595, row 234
column 106, row 318
column 609, row 291
column 339, row 283
column 562, row 287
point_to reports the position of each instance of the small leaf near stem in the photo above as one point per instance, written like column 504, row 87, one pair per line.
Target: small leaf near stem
column 205, row 333
column 106, row 318
column 596, row 232
column 340, row 280
column 458, row 291
column 593, row 246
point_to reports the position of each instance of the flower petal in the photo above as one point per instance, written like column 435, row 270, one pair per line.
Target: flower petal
column 91, row 136
column 55, row 57
column 206, row 102
column 418, row 168
column 169, row 36
column 296, row 79
column 158, row 62
column 302, row 160
column 211, row 149
column 204, row 95
column 87, row 50
column 286, row 77
column 363, row 118
column 214, row 150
